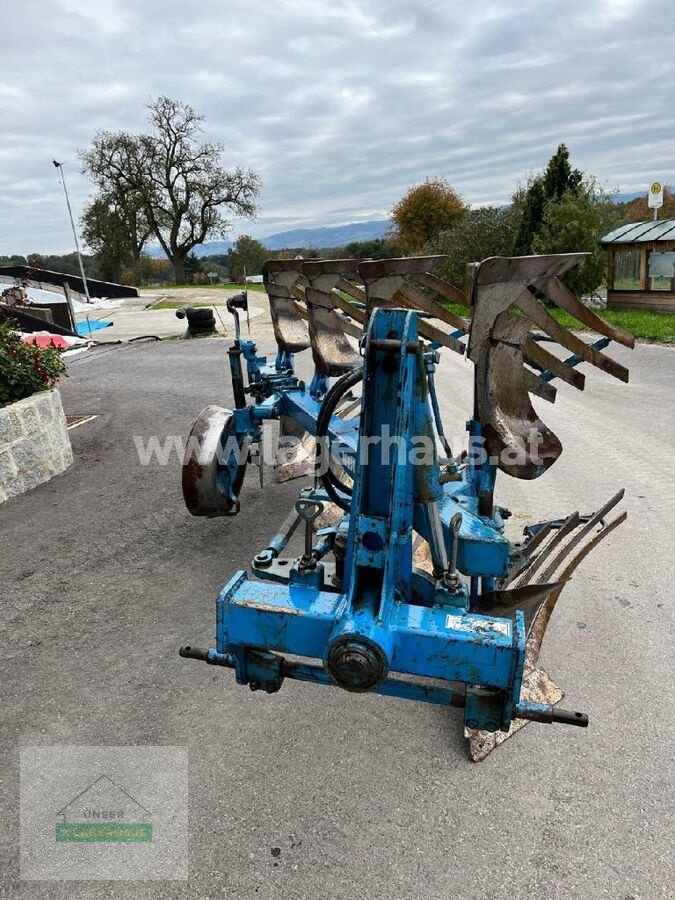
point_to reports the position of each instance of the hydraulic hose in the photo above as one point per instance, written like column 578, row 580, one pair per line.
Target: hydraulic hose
column 331, row 484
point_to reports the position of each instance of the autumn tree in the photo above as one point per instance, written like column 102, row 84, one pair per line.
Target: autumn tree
column 179, row 181
column 549, row 187
column 425, row 211
column 639, row 211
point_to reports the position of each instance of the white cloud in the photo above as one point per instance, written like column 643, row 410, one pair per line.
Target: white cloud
column 339, row 107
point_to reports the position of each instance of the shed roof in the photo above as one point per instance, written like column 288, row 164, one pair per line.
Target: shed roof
column 641, row 232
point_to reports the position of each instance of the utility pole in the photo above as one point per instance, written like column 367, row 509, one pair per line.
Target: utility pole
column 59, row 166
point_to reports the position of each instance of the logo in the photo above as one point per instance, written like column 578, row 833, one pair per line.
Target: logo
column 96, row 813
column 103, row 812
column 656, row 187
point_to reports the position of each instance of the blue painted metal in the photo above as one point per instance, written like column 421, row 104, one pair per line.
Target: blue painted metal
column 575, row 360
column 374, row 622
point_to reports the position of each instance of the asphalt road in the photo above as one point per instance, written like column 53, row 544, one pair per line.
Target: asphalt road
column 314, row 793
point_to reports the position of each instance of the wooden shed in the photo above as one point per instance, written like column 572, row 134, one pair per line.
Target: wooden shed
column 641, row 266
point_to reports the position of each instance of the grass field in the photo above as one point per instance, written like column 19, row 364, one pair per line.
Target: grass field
column 215, row 288
column 225, row 286
column 645, row 325
column 176, row 304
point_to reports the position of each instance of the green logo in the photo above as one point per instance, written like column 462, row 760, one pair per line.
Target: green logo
column 105, row 813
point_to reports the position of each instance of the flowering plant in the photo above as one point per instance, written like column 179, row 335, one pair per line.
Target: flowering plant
column 25, row 368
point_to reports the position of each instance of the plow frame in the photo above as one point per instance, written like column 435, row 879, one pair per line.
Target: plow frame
column 372, row 621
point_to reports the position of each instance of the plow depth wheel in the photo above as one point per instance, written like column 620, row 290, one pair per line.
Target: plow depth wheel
column 214, row 465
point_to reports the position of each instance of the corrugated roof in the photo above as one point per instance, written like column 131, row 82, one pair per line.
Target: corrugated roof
column 641, row 232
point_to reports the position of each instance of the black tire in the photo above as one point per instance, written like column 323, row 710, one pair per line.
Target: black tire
column 209, row 325
column 200, row 314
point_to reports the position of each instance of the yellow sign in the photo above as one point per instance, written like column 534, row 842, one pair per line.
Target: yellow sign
column 655, row 198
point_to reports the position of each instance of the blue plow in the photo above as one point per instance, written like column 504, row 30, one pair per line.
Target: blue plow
column 408, row 584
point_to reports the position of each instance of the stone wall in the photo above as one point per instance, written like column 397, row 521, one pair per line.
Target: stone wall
column 34, row 443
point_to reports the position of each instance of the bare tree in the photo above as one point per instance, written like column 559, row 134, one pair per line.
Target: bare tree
column 180, row 183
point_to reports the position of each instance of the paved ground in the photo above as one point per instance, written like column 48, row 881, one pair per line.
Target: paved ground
column 134, row 318
column 104, row 575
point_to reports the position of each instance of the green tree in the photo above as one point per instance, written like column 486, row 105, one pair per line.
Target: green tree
column 179, row 181
column 558, row 179
column 489, row 231
column 117, row 230
column 377, row 248
column 573, row 225
column 193, row 266
column 425, row 211
column 246, row 257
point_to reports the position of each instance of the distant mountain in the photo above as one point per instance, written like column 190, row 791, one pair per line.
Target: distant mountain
column 626, row 198
column 317, row 238
column 332, row 236
column 638, row 195
column 212, row 248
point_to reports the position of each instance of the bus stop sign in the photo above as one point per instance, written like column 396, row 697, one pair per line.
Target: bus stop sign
column 655, row 195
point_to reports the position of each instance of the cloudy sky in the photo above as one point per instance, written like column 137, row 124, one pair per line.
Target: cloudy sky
column 339, row 106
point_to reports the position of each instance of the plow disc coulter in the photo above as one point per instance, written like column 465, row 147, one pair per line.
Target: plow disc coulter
column 407, row 584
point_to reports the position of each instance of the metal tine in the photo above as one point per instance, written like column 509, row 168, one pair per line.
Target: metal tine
column 426, row 329
column 580, row 535
column 352, row 289
column 561, row 533
column 350, row 309
column 541, row 358
column 537, row 539
column 561, row 295
column 420, row 300
column 539, row 388
column 528, row 548
column 444, row 288
column 543, row 616
column 538, row 314
column 347, row 410
column 385, row 279
column 435, row 335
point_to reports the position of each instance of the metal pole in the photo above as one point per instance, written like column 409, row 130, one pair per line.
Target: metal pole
column 59, row 166
column 69, row 301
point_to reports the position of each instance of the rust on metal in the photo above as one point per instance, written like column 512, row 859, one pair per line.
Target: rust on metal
column 202, row 493
column 290, row 330
column 332, row 351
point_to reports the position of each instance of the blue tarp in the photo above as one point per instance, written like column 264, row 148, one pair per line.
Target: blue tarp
column 85, row 328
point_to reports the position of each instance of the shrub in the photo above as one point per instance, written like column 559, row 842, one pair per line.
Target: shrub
column 25, row 368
